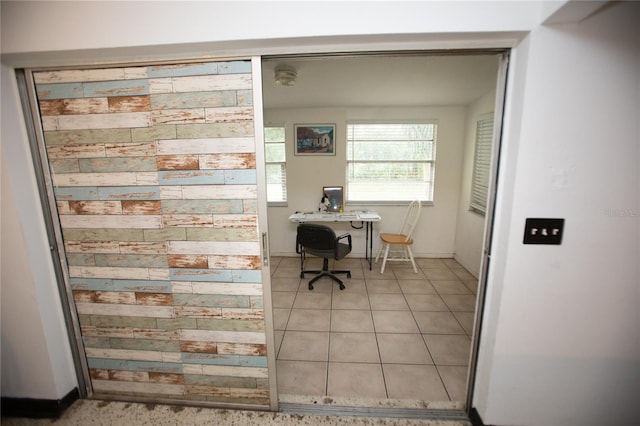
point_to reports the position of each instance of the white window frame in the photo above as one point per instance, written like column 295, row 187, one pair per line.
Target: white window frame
column 481, row 164
column 282, row 203
column 426, row 199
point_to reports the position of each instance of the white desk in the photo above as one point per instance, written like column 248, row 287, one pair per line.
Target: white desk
column 366, row 217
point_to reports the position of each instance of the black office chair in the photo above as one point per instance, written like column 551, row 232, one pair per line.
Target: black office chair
column 321, row 241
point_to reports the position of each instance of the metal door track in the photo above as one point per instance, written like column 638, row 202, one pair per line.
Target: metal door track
column 402, row 413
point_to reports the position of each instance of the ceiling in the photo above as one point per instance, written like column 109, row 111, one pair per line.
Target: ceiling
column 378, row 81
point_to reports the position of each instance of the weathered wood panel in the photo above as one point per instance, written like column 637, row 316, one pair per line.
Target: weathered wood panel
column 155, row 183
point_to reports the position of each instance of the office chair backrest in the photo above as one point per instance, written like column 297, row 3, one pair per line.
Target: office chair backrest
column 317, row 237
column 411, row 219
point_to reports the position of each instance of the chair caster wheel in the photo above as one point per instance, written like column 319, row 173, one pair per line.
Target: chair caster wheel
column 310, row 286
column 341, row 286
column 348, row 274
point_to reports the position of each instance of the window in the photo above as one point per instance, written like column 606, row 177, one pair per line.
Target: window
column 481, row 162
column 276, row 162
column 390, row 162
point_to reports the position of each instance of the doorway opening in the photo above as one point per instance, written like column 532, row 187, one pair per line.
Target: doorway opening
column 401, row 338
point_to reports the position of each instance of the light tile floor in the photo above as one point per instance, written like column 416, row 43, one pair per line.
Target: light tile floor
column 397, row 335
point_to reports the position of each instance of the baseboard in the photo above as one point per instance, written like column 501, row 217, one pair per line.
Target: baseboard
column 475, row 418
column 38, row 408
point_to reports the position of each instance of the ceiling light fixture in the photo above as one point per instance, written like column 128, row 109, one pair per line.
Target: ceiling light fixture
column 285, row 75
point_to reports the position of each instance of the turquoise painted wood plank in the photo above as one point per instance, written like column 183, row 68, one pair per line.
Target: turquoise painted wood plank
column 65, row 165
column 257, row 302
column 246, row 276
column 182, row 70
column 156, row 367
column 239, row 177
column 215, row 275
column 116, row 88
column 143, row 286
column 218, row 98
column 129, row 193
column 60, row 91
column 91, row 284
column 96, row 341
column 108, row 364
column 253, row 361
column 234, row 67
column 245, row 97
column 191, row 177
column 201, row 206
column 211, row 359
column 81, row 259
column 76, row 193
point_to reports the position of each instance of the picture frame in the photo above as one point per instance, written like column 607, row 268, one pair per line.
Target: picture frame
column 315, row 139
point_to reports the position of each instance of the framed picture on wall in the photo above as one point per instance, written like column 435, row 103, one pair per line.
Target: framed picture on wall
column 315, row 139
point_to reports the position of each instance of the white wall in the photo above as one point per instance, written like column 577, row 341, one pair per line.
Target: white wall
column 435, row 233
column 561, row 341
column 560, row 337
column 470, row 225
column 36, row 358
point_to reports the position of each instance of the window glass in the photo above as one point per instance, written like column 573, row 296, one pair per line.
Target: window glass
column 276, row 162
column 390, row 161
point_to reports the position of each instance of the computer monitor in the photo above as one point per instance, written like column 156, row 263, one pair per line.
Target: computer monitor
column 335, row 196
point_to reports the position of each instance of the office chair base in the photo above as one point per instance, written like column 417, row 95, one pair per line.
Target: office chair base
column 325, row 273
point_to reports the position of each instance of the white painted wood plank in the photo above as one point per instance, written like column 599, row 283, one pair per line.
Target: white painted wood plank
column 206, row 146
column 223, row 336
column 68, row 76
column 92, row 247
column 95, row 179
column 171, row 193
column 227, row 289
column 203, row 83
column 160, row 85
column 128, row 354
column 126, row 310
column 159, row 274
column 111, row 221
column 192, row 369
column 171, row 357
column 146, row 178
column 178, row 116
column 230, row 371
column 228, row 114
column 144, row 149
column 105, row 121
column 50, row 123
column 109, row 272
column 181, row 287
column 137, row 387
column 215, row 247
column 218, row 192
column 135, row 73
column 76, row 151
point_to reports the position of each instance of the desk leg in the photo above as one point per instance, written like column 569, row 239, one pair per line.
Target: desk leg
column 368, row 245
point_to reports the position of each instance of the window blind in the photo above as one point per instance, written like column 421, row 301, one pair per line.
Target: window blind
column 390, row 161
column 481, row 163
column 276, row 163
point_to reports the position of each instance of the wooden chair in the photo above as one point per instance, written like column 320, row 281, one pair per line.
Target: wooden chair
column 401, row 241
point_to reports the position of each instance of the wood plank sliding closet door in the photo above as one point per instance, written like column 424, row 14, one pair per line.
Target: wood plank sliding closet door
column 153, row 169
